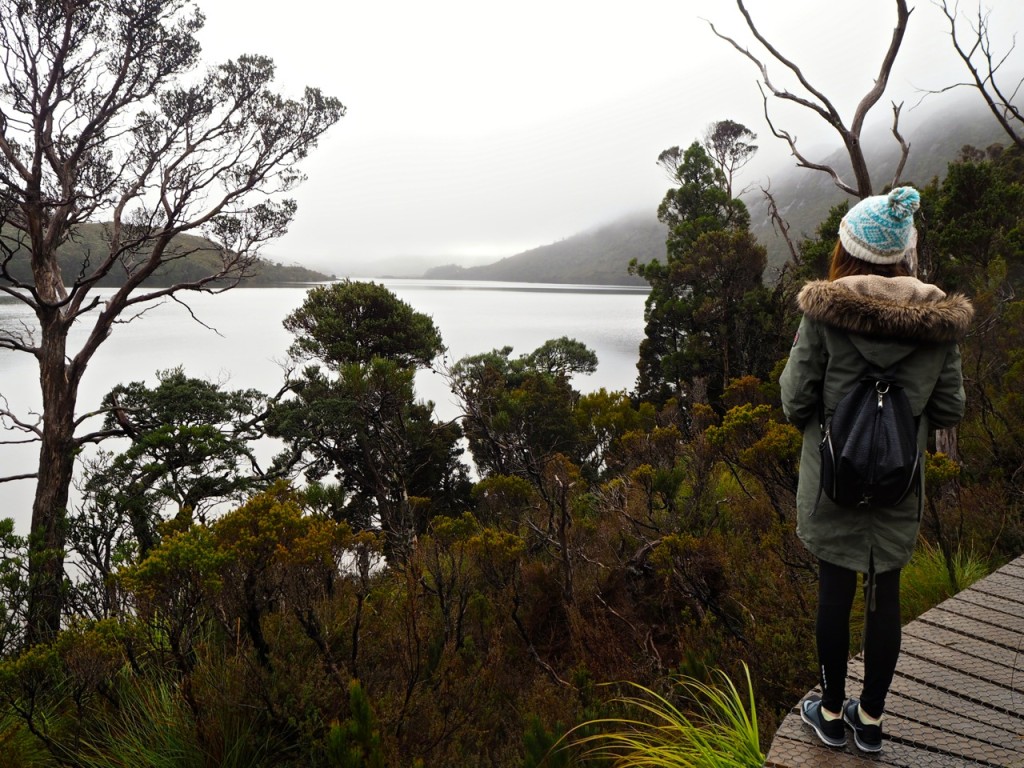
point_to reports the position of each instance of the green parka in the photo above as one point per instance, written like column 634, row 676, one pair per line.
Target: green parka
column 849, row 326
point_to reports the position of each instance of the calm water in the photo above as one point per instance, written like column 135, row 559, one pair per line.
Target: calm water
column 245, row 345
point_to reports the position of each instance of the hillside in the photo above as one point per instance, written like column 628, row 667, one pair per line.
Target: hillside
column 601, row 255
column 203, row 261
column 596, row 257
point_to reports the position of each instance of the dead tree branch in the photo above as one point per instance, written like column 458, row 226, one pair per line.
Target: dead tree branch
column 821, row 105
column 904, row 144
column 780, row 225
column 801, row 161
column 983, row 74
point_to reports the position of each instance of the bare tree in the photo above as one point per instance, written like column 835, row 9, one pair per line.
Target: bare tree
column 103, row 117
column 975, row 49
column 820, row 104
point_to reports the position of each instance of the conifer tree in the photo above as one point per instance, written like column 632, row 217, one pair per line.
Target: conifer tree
column 708, row 314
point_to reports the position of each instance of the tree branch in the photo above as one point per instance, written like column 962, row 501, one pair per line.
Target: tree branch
column 780, row 225
column 826, row 109
column 7, row 415
column 98, row 437
column 871, row 97
column 1001, row 106
column 821, row 104
column 778, row 92
column 904, row 145
column 803, row 162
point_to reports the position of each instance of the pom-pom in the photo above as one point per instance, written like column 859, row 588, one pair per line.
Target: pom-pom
column 903, row 201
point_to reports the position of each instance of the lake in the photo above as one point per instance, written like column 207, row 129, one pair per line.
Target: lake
column 243, row 344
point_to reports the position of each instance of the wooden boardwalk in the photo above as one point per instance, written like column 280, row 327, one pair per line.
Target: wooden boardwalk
column 958, row 695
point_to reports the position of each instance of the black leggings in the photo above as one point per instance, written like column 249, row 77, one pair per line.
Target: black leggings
column 836, row 588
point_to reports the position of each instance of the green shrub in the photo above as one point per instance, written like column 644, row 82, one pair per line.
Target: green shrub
column 355, row 743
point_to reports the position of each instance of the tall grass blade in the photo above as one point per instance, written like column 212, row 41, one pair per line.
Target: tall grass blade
column 718, row 731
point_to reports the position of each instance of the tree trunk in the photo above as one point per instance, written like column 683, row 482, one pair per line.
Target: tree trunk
column 56, row 466
column 946, row 442
column 855, row 152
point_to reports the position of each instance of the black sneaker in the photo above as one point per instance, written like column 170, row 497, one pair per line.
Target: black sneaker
column 868, row 738
column 831, row 732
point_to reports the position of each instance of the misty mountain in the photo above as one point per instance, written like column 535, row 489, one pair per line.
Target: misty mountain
column 601, row 255
column 397, row 266
column 203, row 259
column 598, row 256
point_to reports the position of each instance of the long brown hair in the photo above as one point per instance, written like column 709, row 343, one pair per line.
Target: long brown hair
column 845, row 265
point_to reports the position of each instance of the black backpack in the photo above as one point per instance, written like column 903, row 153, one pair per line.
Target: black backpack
column 869, row 453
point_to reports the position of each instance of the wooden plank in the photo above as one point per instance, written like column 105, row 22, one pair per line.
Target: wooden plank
column 927, row 707
column 1013, row 568
column 796, row 746
column 1008, row 638
column 971, row 712
column 1016, row 568
column 984, row 607
column 1010, row 578
column 1002, row 586
column 975, row 666
column 959, row 642
column 787, row 753
column 975, row 719
column 950, row 742
column 958, row 693
column 962, row 718
column 955, row 683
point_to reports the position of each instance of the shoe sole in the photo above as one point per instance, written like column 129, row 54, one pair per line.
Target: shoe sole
column 821, row 734
column 869, row 748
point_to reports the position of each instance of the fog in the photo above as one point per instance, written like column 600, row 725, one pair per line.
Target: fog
column 478, row 130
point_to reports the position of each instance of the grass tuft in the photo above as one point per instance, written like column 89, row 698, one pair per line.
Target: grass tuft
column 926, row 581
column 718, row 731
column 152, row 727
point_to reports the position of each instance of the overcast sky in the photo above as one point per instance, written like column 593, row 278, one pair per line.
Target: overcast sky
column 477, row 129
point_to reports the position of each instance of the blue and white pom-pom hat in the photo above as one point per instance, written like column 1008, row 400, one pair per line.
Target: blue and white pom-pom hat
column 880, row 229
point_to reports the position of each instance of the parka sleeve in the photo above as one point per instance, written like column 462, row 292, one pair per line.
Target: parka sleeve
column 946, row 405
column 802, row 377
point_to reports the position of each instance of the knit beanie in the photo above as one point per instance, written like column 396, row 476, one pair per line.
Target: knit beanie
column 877, row 229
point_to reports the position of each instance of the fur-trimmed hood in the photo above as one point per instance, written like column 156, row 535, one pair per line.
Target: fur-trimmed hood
column 887, row 307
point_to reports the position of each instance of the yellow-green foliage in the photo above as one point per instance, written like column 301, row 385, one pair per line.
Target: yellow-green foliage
column 940, row 469
column 704, row 725
column 932, row 577
column 681, row 559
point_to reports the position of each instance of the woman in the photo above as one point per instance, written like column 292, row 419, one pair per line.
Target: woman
column 869, row 314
